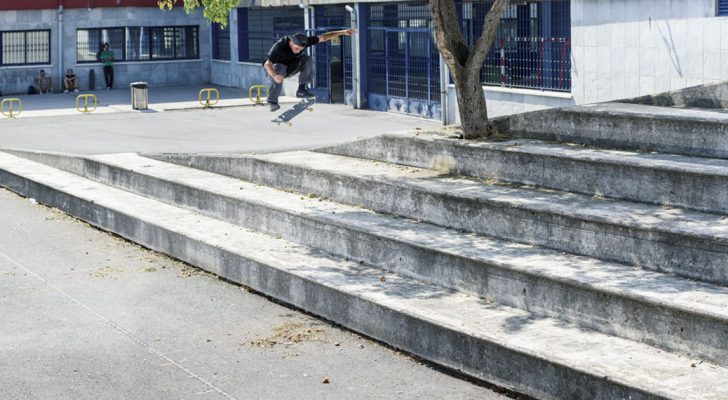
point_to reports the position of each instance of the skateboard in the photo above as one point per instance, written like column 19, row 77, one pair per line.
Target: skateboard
column 288, row 115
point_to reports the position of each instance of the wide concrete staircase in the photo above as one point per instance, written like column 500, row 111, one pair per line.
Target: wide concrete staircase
column 558, row 270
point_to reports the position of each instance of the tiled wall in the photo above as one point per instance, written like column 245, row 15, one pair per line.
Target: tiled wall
column 627, row 48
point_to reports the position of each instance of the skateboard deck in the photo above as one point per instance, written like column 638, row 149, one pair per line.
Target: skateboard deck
column 288, row 115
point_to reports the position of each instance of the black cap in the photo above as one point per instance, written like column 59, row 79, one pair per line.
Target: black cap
column 300, row 39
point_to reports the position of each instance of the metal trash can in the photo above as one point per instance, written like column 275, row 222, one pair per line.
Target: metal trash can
column 139, row 96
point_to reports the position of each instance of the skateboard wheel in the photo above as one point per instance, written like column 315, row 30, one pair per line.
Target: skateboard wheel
column 290, row 124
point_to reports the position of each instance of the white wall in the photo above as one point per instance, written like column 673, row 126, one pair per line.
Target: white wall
column 505, row 101
column 628, row 48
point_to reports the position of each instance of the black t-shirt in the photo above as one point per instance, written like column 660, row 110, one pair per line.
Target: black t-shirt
column 281, row 52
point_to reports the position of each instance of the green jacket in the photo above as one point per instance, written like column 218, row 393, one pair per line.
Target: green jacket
column 107, row 57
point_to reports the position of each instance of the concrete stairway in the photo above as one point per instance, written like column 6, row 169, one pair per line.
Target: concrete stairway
column 504, row 261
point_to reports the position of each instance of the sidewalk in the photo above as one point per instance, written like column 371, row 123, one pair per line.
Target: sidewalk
column 162, row 98
column 87, row 315
column 176, row 122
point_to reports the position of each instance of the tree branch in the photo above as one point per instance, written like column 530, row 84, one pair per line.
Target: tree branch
column 450, row 40
column 490, row 30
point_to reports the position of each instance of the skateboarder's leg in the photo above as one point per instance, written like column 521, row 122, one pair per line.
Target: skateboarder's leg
column 306, row 68
column 275, row 88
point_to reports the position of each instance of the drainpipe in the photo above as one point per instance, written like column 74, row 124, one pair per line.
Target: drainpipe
column 60, row 43
column 355, row 73
column 307, row 16
column 444, row 83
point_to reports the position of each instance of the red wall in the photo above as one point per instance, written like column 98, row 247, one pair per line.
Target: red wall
column 45, row 4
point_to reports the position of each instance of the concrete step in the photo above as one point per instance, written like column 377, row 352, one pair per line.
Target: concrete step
column 687, row 243
column 577, row 289
column 692, row 132
column 688, row 182
column 540, row 356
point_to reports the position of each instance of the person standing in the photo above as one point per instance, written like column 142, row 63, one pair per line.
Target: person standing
column 107, row 58
column 287, row 57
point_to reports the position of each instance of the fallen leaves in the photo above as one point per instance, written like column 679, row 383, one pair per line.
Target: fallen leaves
column 105, row 271
column 289, row 334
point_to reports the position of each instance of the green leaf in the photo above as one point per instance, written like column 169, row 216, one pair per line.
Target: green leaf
column 217, row 11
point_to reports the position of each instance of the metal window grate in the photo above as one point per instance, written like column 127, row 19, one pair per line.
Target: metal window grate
column 139, row 43
column 260, row 28
column 220, row 43
column 25, row 47
column 722, row 7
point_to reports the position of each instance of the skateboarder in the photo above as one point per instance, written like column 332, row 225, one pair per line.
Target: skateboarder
column 287, row 57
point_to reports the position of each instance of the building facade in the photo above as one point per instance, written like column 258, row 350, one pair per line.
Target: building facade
column 548, row 53
column 160, row 47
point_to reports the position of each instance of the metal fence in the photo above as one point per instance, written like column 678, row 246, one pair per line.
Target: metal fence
column 532, row 47
column 403, row 68
column 333, row 58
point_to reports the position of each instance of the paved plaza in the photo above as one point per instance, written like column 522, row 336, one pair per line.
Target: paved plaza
column 90, row 316
column 51, row 123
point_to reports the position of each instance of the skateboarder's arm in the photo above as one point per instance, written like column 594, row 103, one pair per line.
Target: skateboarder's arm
column 272, row 72
column 334, row 34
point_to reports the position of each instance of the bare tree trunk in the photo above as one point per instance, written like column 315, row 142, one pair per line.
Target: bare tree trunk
column 464, row 63
column 472, row 106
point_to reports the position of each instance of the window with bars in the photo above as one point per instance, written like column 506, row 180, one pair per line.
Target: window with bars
column 260, row 28
column 25, row 47
column 722, row 8
column 139, row 43
column 220, row 43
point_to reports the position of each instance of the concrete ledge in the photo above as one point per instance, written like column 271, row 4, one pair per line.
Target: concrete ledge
column 541, row 357
column 703, row 96
column 700, row 133
column 646, row 236
column 580, row 290
column 693, row 183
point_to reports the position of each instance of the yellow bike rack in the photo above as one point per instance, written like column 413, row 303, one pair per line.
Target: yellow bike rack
column 259, row 89
column 85, row 98
column 10, row 101
column 209, row 101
